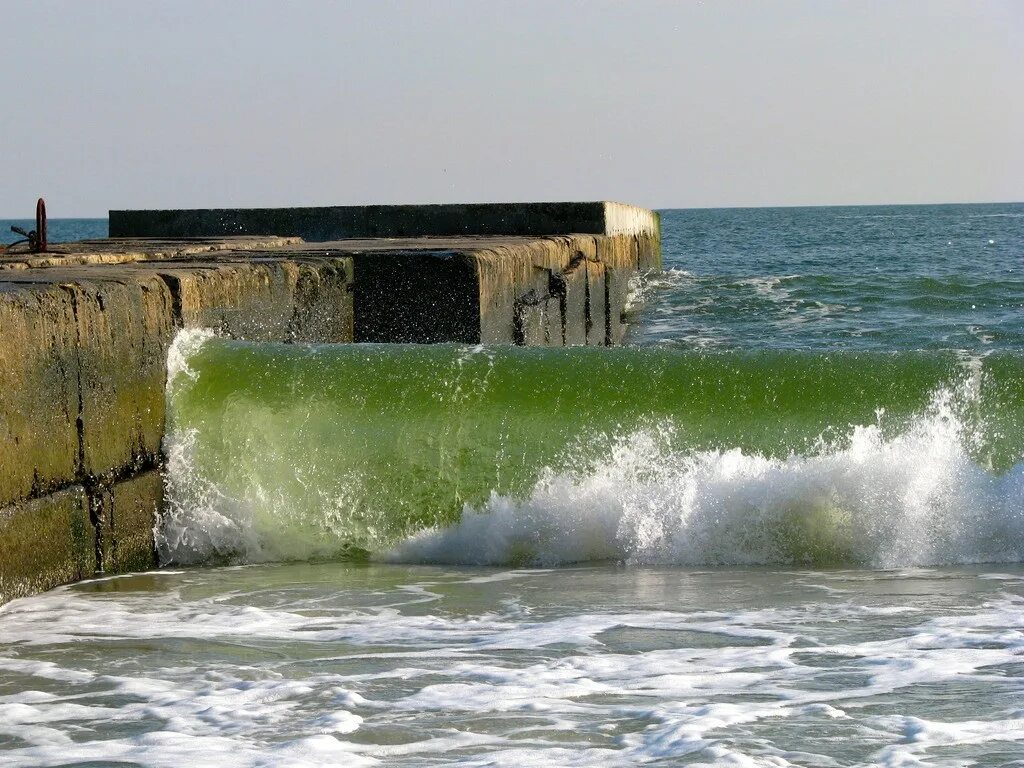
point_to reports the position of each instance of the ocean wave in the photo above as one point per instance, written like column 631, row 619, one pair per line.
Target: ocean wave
column 465, row 455
column 916, row 498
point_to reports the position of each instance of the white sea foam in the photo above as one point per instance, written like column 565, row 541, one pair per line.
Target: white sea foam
column 592, row 666
column 773, row 288
column 913, row 498
column 199, row 520
column 645, row 284
column 187, row 343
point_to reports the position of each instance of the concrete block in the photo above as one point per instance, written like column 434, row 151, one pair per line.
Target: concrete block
column 38, row 389
column 554, row 328
column 45, row 542
column 124, row 329
column 265, row 299
column 323, row 306
column 509, row 276
column 538, row 307
column 251, row 301
column 625, row 219
column 127, row 513
column 531, row 324
column 649, row 252
column 617, row 287
column 536, row 281
column 420, row 298
column 538, row 321
column 618, row 252
column 128, row 250
column 597, row 307
column 575, row 304
column 497, row 292
column 337, row 222
column 555, row 332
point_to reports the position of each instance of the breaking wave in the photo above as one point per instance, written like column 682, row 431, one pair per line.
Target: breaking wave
column 546, row 457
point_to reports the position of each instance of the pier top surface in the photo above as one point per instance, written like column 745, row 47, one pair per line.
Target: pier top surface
column 126, row 250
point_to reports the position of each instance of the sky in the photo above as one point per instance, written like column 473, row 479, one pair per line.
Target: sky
column 217, row 103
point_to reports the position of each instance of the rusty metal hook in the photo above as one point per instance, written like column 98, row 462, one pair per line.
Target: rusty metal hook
column 36, row 239
column 41, row 242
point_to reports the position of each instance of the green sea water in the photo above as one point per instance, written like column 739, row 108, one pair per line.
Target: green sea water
column 298, row 452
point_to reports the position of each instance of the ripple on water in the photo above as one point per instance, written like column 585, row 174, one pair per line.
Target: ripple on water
column 600, row 665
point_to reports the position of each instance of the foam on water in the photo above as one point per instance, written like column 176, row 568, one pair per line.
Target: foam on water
column 372, row 665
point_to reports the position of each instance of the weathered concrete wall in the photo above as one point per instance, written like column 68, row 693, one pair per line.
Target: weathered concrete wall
column 39, row 445
column 84, row 334
column 266, row 299
column 83, row 353
column 132, row 250
column 339, row 222
column 554, row 291
column 124, row 517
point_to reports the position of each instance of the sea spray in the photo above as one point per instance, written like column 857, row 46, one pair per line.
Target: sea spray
column 914, row 499
column 545, row 457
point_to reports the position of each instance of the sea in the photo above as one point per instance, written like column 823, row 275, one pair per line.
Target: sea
column 782, row 526
column 57, row 230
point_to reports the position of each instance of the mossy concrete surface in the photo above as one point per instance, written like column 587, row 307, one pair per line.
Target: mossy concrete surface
column 85, row 329
column 125, row 513
column 129, row 250
column 38, row 390
column 266, row 299
column 45, row 542
column 83, row 353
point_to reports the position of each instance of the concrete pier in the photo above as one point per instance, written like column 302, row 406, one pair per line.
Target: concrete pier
column 84, row 334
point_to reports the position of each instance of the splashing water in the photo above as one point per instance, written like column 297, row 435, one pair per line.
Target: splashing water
column 916, row 499
column 450, row 458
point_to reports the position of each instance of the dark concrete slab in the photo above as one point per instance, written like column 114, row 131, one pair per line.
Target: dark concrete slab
column 333, row 222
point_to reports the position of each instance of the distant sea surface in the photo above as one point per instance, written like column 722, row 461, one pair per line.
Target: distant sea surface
column 879, row 278
column 57, row 230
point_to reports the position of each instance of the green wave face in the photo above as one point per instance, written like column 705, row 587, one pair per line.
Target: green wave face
column 297, row 452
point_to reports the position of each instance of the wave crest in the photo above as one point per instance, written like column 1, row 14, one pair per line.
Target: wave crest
column 277, row 452
column 916, row 498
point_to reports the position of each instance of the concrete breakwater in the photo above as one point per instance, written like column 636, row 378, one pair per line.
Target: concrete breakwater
column 85, row 330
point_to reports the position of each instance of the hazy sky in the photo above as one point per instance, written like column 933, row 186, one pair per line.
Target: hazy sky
column 141, row 104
